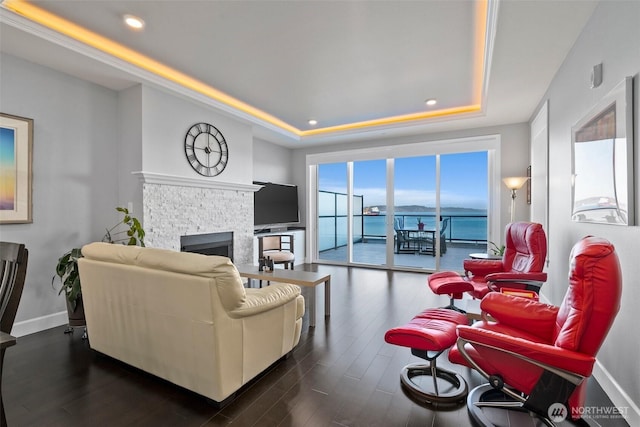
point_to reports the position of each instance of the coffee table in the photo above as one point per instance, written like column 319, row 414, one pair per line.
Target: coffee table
column 309, row 279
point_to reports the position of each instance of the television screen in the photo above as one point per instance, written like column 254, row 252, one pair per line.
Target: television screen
column 275, row 204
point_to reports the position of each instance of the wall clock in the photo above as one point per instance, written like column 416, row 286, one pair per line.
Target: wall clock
column 206, row 149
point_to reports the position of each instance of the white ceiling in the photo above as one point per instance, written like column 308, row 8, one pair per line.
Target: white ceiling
column 339, row 62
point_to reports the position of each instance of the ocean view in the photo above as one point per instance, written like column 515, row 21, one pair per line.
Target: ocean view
column 464, row 225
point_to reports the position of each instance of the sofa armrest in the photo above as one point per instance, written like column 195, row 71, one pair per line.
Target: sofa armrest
column 530, row 281
column 544, row 355
column 264, row 299
column 482, row 267
column 516, row 277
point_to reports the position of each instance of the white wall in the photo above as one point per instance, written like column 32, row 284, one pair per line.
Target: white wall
column 74, row 173
column 272, row 163
column 612, row 36
column 166, row 120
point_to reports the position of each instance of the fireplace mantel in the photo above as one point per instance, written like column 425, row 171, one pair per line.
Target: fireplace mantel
column 159, row 178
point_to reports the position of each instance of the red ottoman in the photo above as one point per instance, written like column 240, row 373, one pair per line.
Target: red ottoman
column 428, row 335
column 449, row 283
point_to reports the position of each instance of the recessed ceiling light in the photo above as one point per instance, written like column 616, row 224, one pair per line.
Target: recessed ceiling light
column 134, row 22
column 313, row 122
column 431, row 102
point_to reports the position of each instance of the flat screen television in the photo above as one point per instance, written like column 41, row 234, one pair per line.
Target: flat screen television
column 275, row 204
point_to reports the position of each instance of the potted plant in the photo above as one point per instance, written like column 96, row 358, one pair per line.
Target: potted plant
column 420, row 224
column 133, row 235
column 497, row 250
column 128, row 230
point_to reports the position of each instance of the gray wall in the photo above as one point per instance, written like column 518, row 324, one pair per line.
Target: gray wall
column 612, row 36
column 74, row 171
column 272, row 163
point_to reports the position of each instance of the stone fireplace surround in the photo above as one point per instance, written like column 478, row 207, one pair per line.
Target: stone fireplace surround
column 177, row 206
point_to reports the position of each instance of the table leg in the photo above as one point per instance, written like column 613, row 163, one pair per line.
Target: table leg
column 327, row 297
column 312, row 307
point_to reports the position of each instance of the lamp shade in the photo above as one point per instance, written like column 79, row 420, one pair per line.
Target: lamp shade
column 515, row 182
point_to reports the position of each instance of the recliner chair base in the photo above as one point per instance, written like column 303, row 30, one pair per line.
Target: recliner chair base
column 489, row 407
column 455, row 389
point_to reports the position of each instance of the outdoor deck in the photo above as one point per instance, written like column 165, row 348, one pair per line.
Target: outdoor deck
column 373, row 253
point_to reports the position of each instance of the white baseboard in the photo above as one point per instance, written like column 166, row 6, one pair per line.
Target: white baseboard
column 38, row 324
column 619, row 398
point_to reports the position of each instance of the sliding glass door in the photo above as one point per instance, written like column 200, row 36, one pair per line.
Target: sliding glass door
column 410, row 211
column 369, row 212
column 464, row 195
column 332, row 212
column 414, row 205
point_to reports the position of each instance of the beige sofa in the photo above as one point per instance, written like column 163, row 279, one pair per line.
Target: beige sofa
column 186, row 317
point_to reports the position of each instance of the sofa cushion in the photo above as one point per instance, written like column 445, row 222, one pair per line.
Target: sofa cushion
column 230, row 289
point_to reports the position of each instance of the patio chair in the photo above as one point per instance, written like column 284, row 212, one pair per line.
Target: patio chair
column 403, row 241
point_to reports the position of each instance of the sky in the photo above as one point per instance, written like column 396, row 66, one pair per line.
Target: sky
column 464, row 179
column 7, row 169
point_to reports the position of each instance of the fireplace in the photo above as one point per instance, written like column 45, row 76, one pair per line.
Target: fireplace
column 209, row 244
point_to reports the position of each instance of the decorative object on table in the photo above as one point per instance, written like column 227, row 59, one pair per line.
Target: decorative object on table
column 602, row 176
column 420, row 224
column 16, row 145
column 206, row 149
column 265, row 264
column 514, row 183
column 67, row 266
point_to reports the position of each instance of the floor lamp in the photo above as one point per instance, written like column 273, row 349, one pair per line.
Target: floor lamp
column 514, row 183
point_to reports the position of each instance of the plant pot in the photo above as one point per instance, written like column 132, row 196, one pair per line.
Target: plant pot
column 421, row 226
column 76, row 317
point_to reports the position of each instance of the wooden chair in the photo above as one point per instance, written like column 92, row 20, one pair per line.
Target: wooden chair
column 13, row 270
column 278, row 247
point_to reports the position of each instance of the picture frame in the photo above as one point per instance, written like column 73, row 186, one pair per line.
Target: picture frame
column 16, row 153
column 602, row 160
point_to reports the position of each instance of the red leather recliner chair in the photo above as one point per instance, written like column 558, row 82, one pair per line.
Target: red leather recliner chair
column 520, row 267
column 539, row 355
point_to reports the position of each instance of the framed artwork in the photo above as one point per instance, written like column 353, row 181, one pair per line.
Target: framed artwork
column 602, row 142
column 16, row 144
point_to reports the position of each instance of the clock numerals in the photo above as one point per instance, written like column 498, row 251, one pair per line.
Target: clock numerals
column 206, row 149
column 204, row 127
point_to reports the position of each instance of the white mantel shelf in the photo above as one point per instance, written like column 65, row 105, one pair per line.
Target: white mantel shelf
column 159, row 178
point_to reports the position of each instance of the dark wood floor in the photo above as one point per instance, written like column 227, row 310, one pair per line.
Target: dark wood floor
column 341, row 374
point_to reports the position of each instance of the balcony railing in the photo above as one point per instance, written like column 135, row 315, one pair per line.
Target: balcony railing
column 332, row 223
